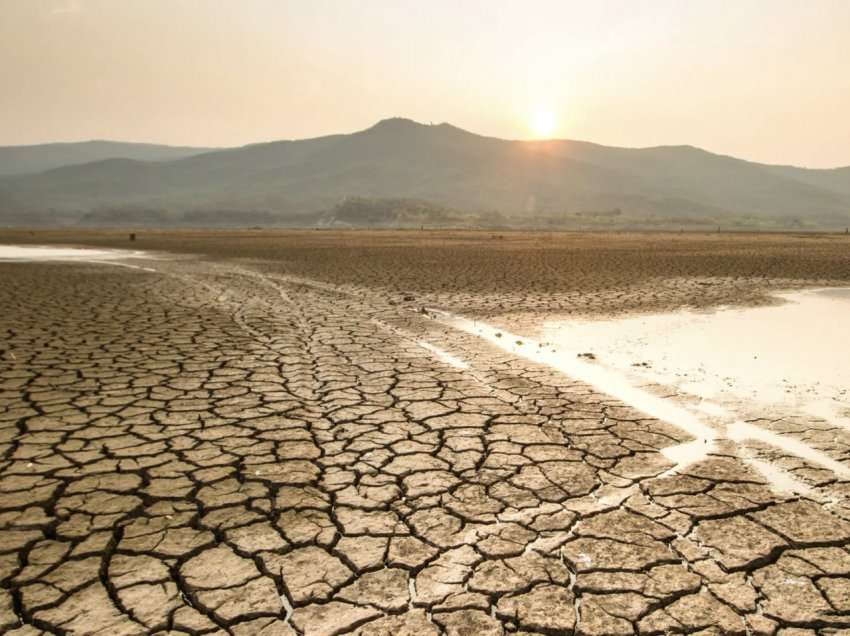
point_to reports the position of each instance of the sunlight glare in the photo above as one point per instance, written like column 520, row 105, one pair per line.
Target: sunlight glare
column 542, row 123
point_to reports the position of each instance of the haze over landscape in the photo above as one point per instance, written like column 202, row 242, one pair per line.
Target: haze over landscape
column 396, row 318
column 651, row 84
column 400, row 173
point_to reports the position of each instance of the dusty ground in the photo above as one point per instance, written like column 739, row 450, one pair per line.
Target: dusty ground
column 254, row 440
column 492, row 274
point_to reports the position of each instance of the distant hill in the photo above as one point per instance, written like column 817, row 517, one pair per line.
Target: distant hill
column 17, row 160
column 400, row 173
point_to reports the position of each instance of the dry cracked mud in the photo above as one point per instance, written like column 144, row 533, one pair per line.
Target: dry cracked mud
column 225, row 446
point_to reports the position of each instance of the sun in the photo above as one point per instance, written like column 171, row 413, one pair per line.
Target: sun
column 542, row 123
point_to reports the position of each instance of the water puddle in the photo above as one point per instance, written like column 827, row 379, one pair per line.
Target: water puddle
column 832, row 411
column 44, row 254
column 571, row 364
column 790, row 359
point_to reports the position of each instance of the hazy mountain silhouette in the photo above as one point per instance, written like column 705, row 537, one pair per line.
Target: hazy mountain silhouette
column 398, row 159
column 17, row 160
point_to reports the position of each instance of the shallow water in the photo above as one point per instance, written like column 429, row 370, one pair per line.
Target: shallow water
column 44, row 253
column 792, row 359
column 605, row 380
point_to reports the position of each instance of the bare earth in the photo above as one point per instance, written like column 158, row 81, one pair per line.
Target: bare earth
column 268, row 435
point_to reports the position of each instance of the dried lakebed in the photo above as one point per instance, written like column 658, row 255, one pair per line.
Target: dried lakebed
column 210, row 448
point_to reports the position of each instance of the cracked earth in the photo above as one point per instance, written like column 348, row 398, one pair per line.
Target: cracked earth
column 225, row 447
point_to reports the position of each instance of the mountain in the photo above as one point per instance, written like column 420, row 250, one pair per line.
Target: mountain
column 17, row 160
column 837, row 179
column 400, row 165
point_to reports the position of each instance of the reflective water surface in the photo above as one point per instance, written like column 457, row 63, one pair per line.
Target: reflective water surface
column 719, row 376
column 44, row 253
column 793, row 356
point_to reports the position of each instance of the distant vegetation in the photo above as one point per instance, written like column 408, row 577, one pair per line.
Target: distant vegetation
column 403, row 174
column 364, row 212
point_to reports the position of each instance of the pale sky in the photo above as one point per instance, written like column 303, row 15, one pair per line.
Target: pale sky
column 767, row 80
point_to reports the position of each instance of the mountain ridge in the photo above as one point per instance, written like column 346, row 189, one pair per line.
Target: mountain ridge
column 400, row 159
column 27, row 159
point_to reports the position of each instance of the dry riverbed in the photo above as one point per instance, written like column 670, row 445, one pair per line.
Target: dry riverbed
column 379, row 433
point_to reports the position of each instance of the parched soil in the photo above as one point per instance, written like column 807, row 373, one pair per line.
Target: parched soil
column 254, row 439
column 498, row 273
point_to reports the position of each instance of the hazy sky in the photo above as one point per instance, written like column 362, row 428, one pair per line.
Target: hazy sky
column 767, row 80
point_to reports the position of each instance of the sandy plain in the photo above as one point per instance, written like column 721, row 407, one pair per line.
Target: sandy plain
column 275, row 433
